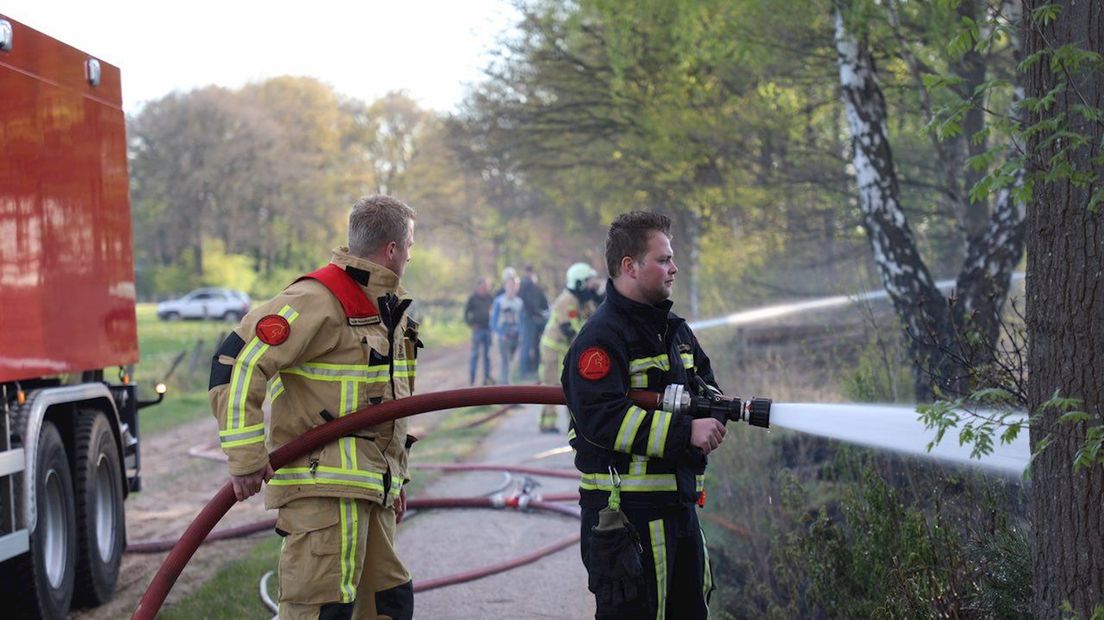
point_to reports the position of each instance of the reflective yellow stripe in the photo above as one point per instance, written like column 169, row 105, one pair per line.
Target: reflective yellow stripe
column 630, row 482
column 346, row 406
column 243, row 373
column 361, row 373
column 232, row 438
column 687, row 360
column 641, row 364
column 570, row 434
column 707, row 583
column 291, row 476
column 657, row 436
column 275, row 388
column 638, row 380
column 659, row 557
column 555, row 345
column 638, row 465
column 699, row 483
column 630, row 424
column 349, row 525
column 405, row 368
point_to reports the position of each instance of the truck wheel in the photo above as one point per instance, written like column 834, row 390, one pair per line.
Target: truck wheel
column 171, row 316
column 50, row 566
column 101, row 526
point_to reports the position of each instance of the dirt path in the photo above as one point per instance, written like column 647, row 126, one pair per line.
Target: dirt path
column 444, row 542
column 176, row 486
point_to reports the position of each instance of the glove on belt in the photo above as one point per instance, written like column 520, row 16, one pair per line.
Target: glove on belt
column 616, row 575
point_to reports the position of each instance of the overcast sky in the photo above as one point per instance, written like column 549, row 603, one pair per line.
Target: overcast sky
column 363, row 48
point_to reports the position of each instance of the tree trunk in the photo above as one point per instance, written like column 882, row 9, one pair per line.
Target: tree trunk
column 906, row 278
column 1065, row 321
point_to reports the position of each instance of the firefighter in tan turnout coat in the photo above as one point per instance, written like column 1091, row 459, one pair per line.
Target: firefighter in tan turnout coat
column 568, row 312
column 335, row 341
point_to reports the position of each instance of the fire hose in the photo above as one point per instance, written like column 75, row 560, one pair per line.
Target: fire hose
column 166, row 544
column 329, row 432
column 324, row 434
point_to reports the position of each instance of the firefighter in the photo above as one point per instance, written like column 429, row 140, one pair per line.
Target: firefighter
column 642, row 471
column 573, row 306
column 335, row 341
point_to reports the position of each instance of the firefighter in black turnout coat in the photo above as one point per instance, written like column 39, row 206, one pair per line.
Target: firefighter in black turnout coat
column 642, row 471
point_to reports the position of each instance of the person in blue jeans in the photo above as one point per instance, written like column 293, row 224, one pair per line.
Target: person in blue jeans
column 477, row 315
column 506, row 322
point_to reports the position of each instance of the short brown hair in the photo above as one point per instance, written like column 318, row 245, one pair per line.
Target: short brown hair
column 628, row 236
column 377, row 220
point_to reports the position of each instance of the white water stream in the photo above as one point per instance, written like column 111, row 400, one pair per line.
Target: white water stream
column 888, row 427
column 773, row 312
column 897, row 428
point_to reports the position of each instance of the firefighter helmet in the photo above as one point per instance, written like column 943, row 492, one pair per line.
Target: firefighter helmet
column 578, row 274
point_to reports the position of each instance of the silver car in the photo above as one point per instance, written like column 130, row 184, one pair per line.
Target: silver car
column 206, row 303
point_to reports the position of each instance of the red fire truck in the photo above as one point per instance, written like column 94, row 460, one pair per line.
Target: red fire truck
column 69, row 446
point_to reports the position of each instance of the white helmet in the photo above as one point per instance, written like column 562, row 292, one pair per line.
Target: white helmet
column 578, row 274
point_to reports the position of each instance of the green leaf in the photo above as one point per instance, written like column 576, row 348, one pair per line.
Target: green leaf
column 1031, row 59
column 1046, row 13
column 1073, row 416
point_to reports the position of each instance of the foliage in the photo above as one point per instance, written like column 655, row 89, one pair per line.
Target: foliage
column 878, row 377
column 889, row 553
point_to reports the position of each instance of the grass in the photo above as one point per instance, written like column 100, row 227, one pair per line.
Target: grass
column 232, row 592
column 160, row 343
column 175, row 410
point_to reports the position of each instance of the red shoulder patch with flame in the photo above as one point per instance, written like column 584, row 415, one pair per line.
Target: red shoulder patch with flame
column 273, row 329
column 594, row 363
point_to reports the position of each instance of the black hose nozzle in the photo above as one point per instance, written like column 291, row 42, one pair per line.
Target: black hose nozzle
column 758, row 412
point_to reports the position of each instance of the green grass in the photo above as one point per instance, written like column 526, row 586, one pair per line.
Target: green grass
column 177, row 408
column 232, row 592
column 443, row 332
column 160, row 343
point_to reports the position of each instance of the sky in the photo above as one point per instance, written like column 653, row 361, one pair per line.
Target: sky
column 431, row 49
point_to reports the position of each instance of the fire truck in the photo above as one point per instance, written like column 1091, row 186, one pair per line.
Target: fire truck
column 68, row 333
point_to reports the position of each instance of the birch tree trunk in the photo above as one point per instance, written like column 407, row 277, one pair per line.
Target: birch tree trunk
column 937, row 330
column 906, row 278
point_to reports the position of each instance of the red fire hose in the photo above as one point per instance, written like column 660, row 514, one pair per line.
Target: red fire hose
column 327, row 433
column 545, row 502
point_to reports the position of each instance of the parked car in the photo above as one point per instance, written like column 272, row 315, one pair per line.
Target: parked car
column 206, row 303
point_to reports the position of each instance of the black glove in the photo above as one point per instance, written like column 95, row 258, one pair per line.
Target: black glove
column 616, row 575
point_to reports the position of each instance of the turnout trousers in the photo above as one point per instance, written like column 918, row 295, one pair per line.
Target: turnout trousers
column 677, row 575
column 551, row 365
column 338, row 561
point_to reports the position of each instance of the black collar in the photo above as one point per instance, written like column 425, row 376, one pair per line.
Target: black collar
column 651, row 315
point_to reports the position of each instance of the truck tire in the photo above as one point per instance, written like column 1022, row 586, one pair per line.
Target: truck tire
column 49, row 568
column 101, row 525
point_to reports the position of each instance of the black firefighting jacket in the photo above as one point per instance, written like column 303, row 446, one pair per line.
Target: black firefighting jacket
column 626, row 346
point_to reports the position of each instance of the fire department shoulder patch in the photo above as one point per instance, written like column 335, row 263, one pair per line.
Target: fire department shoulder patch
column 273, row 329
column 594, row 363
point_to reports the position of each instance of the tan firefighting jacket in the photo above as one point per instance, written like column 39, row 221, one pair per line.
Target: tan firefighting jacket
column 325, row 368
column 566, row 318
